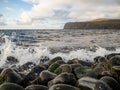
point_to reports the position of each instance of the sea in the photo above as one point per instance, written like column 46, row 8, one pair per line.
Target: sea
column 30, row 45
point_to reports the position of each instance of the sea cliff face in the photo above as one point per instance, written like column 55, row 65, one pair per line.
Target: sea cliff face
column 95, row 24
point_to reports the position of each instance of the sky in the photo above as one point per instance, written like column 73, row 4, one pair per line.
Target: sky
column 53, row 14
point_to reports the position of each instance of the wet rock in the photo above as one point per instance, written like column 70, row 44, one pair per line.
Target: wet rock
column 9, row 75
column 85, row 63
column 10, row 86
column 73, row 61
column 63, row 87
column 87, row 83
column 115, row 61
column 111, row 82
column 32, row 75
column 53, row 67
column 81, row 71
column 27, row 66
column 64, row 78
column 54, row 60
column 44, row 77
column 44, row 59
column 63, row 68
column 36, row 87
column 47, row 76
column 117, row 69
column 37, row 70
column 60, row 62
column 74, row 66
column 11, row 60
column 99, row 70
column 109, row 56
column 99, row 59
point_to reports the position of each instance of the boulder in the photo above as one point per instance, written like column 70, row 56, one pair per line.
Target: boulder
column 64, row 78
column 54, row 60
column 63, row 87
column 111, row 82
column 87, row 83
column 115, row 61
column 11, row 60
column 81, row 71
column 9, row 75
column 36, row 87
column 63, row 68
column 10, row 86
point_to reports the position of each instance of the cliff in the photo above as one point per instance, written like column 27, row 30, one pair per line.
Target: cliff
column 94, row 24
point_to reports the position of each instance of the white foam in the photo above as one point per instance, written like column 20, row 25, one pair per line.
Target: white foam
column 34, row 53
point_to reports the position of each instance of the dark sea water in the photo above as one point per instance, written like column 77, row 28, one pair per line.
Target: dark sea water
column 30, row 45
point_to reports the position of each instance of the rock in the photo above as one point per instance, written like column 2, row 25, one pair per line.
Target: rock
column 73, row 61
column 115, row 61
column 109, row 56
column 98, row 70
column 32, row 75
column 99, row 59
column 9, row 75
column 54, row 60
column 63, row 68
column 10, row 86
column 27, row 66
column 36, row 87
column 44, row 59
column 87, row 83
column 64, row 78
column 53, row 67
column 44, row 77
column 63, row 87
column 74, row 66
column 11, row 60
column 81, row 71
column 60, row 62
column 37, row 70
column 117, row 69
column 85, row 63
column 111, row 82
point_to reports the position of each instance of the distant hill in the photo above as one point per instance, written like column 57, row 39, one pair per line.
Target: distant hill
column 101, row 23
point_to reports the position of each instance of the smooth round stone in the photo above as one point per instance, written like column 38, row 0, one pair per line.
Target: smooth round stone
column 36, row 87
column 64, row 78
column 115, row 61
column 10, row 86
column 63, row 87
column 111, row 82
column 87, row 83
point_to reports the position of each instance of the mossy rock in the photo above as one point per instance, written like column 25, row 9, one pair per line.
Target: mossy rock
column 111, row 82
column 87, row 83
column 81, row 71
column 53, row 67
column 10, row 86
column 63, row 87
column 63, row 68
column 36, row 87
column 54, row 60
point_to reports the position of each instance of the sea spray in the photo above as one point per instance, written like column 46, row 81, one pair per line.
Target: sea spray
column 34, row 53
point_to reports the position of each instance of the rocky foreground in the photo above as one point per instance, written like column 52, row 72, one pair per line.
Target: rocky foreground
column 56, row 74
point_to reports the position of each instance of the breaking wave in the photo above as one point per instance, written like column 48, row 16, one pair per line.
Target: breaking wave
column 33, row 53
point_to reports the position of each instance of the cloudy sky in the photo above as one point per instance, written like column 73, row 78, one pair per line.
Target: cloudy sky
column 44, row 14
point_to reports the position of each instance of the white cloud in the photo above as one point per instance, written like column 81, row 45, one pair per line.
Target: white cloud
column 2, row 20
column 74, row 9
column 9, row 9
